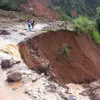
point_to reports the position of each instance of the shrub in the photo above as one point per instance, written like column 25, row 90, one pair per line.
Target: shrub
column 97, row 11
column 64, row 51
column 24, row 1
column 98, row 23
column 10, row 5
column 96, row 36
column 83, row 24
column 64, row 16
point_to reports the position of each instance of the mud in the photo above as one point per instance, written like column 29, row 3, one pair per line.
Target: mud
column 33, row 86
column 82, row 64
column 40, row 8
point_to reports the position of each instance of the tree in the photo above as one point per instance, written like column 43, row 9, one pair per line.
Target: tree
column 83, row 7
column 10, row 5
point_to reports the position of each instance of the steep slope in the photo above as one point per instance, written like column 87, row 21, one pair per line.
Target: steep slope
column 50, row 8
column 41, row 8
column 82, row 65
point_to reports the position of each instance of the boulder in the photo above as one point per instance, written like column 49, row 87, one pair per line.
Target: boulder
column 14, row 77
column 95, row 95
column 43, row 68
column 6, row 63
column 85, row 92
column 4, row 32
column 22, row 33
column 71, row 97
column 94, row 85
column 95, row 90
column 34, row 78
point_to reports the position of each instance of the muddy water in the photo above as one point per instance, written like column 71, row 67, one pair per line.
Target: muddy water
column 7, row 91
column 9, row 49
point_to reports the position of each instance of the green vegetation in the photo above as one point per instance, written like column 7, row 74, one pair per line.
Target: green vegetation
column 82, row 7
column 72, row 8
column 98, row 18
column 64, row 16
column 24, row 1
column 64, row 51
column 10, row 5
column 83, row 24
column 96, row 36
column 98, row 23
column 98, row 11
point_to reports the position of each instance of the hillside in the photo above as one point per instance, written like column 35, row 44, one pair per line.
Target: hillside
column 55, row 60
column 50, row 8
column 32, row 86
column 41, row 8
column 80, row 6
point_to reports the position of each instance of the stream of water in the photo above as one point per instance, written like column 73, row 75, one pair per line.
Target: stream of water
column 9, row 49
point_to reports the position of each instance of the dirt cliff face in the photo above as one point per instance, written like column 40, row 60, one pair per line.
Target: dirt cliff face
column 41, row 8
column 82, row 65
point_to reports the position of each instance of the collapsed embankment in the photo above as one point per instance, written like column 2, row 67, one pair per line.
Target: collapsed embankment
column 40, row 8
column 81, row 66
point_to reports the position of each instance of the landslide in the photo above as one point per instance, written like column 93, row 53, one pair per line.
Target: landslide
column 41, row 8
column 81, row 66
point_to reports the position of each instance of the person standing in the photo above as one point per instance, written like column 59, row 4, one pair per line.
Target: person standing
column 33, row 24
column 29, row 25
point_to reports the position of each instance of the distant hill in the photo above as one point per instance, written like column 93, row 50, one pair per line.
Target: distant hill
column 80, row 6
column 52, row 8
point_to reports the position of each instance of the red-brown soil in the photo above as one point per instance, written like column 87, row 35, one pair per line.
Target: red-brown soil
column 82, row 65
column 41, row 8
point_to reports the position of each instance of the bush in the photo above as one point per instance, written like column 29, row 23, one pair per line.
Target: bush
column 64, row 51
column 98, row 23
column 97, row 11
column 83, row 24
column 10, row 5
column 24, row 1
column 96, row 36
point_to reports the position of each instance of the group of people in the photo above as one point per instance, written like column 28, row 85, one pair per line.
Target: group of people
column 30, row 24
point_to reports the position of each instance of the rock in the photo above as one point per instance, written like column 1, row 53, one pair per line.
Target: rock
column 54, row 96
column 51, row 88
column 14, row 77
column 85, row 92
column 95, row 90
column 6, row 63
column 94, row 85
column 28, row 91
column 17, row 62
column 34, row 78
column 22, row 33
column 52, row 77
column 4, row 32
column 71, row 97
column 14, row 89
column 14, row 30
column 95, row 95
column 43, row 68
